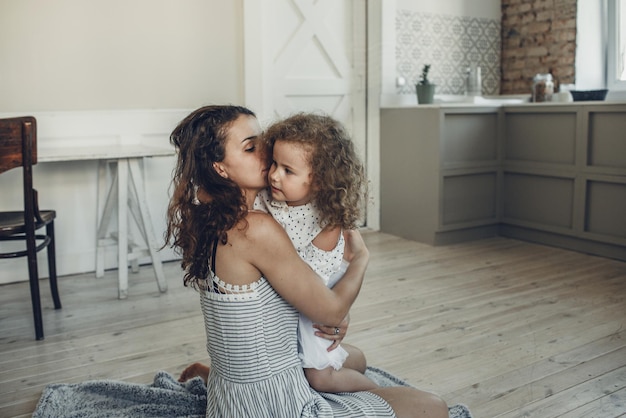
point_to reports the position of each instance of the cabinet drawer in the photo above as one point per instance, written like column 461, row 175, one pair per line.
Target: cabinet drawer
column 469, row 138
column 469, row 198
column 606, row 208
column 607, row 140
column 538, row 199
column 541, row 137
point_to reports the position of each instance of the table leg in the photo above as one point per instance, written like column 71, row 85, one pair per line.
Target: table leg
column 105, row 218
column 145, row 224
column 122, row 226
column 127, row 194
column 100, row 218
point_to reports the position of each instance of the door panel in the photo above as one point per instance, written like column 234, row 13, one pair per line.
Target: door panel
column 307, row 56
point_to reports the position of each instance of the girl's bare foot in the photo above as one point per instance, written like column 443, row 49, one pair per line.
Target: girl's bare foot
column 194, row 370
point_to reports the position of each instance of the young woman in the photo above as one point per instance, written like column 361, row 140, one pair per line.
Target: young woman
column 252, row 283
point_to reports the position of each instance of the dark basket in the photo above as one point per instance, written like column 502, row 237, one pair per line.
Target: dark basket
column 588, row 95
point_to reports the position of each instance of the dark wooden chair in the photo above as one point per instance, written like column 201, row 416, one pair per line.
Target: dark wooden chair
column 18, row 148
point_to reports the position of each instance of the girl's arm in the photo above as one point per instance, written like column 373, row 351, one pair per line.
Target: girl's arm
column 272, row 253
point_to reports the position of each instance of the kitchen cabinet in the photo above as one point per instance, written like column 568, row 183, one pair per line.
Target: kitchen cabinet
column 550, row 173
column 440, row 173
column 564, row 176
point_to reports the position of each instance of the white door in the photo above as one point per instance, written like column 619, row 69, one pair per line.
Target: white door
column 307, row 55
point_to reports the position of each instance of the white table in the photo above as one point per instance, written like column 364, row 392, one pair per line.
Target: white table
column 126, row 192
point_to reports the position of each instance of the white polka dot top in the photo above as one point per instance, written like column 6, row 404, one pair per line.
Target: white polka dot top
column 302, row 225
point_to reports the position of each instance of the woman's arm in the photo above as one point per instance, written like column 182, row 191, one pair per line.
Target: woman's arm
column 271, row 251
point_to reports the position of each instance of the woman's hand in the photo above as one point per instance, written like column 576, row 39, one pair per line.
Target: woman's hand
column 332, row 333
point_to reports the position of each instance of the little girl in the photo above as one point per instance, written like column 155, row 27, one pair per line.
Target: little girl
column 317, row 188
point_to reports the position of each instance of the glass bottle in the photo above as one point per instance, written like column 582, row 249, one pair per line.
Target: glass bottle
column 543, row 88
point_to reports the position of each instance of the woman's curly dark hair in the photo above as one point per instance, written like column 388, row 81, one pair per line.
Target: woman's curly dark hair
column 195, row 227
column 339, row 184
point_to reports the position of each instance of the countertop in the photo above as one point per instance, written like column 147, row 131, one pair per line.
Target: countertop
column 442, row 101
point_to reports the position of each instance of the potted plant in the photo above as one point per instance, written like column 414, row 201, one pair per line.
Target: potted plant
column 424, row 88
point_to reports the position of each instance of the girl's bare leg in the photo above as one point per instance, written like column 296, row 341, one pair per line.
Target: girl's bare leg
column 335, row 381
column 413, row 403
column 356, row 358
column 405, row 401
column 350, row 378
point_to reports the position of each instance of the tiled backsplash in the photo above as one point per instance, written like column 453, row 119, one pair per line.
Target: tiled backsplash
column 450, row 44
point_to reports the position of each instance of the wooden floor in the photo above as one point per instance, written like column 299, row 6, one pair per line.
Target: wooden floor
column 511, row 329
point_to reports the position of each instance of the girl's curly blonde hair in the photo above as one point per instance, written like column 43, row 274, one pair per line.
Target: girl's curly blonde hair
column 339, row 184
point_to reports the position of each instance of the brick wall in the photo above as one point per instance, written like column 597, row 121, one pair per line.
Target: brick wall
column 538, row 36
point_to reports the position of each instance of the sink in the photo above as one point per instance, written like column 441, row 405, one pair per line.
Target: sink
column 484, row 100
column 404, row 100
column 499, row 100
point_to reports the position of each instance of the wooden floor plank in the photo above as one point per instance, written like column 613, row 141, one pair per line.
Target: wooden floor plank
column 610, row 405
column 543, row 384
column 495, row 389
column 557, row 404
column 507, row 327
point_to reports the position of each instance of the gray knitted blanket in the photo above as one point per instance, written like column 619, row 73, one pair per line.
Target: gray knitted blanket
column 165, row 397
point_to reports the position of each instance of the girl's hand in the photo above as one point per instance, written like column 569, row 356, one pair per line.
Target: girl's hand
column 332, row 333
column 355, row 246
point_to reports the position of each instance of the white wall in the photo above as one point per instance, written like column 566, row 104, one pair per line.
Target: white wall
column 126, row 62
column 119, row 54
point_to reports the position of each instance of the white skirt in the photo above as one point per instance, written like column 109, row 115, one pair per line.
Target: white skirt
column 313, row 349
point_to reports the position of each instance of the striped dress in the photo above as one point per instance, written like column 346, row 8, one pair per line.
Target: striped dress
column 255, row 369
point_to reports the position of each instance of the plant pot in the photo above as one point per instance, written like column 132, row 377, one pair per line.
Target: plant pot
column 425, row 93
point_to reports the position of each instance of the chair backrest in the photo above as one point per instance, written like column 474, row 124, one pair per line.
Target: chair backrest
column 18, row 143
column 18, row 148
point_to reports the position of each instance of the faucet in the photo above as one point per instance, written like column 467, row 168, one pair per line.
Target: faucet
column 473, row 81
